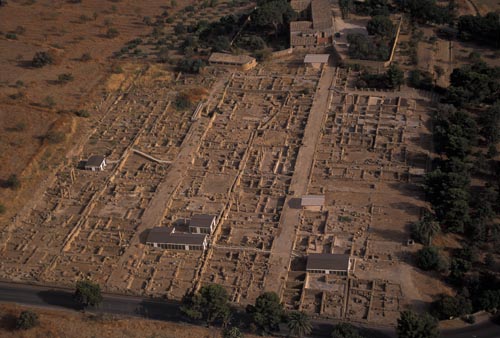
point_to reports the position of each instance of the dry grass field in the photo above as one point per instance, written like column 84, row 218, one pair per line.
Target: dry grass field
column 54, row 323
column 32, row 100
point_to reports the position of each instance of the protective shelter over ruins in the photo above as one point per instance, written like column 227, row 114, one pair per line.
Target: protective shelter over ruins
column 336, row 264
column 202, row 224
column 244, row 62
column 316, row 60
column 95, row 163
column 166, row 238
column 312, row 202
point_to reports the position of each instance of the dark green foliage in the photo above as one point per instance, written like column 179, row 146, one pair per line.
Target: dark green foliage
column 428, row 258
column 483, row 29
column 381, row 26
column 182, row 102
column 345, row 330
column 2, row 209
column 372, row 7
column 346, row 6
column 27, row 320
column 420, row 79
column 251, row 43
column 179, row 29
column 447, row 306
column 267, row 312
column 232, row 332
column 41, row 59
column 473, row 84
column 299, row 324
column 13, row 182
column 482, row 226
column 112, row 33
column 361, row 47
column 209, row 304
column 65, row 77
column 454, row 131
column 458, row 268
column 394, row 76
column 448, row 195
column 87, row 293
column 193, row 66
column 489, row 121
column 274, row 14
column 490, row 300
column 424, row 11
column 426, row 228
column 412, row 325
column 11, row 36
column 55, row 137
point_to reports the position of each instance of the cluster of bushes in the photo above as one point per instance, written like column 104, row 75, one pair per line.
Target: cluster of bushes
column 424, row 11
column 363, row 48
column 392, row 79
column 484, row 29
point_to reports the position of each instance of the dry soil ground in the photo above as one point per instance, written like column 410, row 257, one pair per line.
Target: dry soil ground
column 55, row 323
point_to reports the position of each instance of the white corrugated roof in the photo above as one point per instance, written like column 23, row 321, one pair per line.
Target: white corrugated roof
column 316, row 58
column 312, row 200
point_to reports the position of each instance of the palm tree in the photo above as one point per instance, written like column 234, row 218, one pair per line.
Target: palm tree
column 299, row 324
column 427, row 228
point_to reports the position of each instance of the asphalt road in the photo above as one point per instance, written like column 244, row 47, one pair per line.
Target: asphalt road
column 61, row 298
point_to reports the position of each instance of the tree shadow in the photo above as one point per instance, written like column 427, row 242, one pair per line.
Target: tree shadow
column 8, row 322
column 409, row 208
column 159, row 309
column 59, row 298
column 143, row 236
column 27, row 64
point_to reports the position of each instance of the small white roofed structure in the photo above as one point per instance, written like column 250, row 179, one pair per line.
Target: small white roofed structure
column 316, row 60
column 202, row 224
column 312, row 202
column 95, row 163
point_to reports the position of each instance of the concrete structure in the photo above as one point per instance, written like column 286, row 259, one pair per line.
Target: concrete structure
column 316, row 60
column 312, row 202
column 336, row 264
column 243, row 62
column 169, row 239
column 95, row 163
column 317, row 30
column 202, row 224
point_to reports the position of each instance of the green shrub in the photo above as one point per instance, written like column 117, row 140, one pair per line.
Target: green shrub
column 2, row 209
column 429, row 258
column 13, row 182
column 55, row 137
column 41, row 59
column 112, row 33
column 65, row 77
column 27, row 320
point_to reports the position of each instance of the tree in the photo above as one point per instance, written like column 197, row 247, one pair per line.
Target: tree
column 395, row 76
column 412, row 325
column 273, row 13
column 425, row 229
column 381, row 26
column 447, row 307
column 267, row 312
column 41, row 59
column 345, row 330
column 112, row 33
column 428, row 258
column 232, row 332
column 209, row 304
column 87, row 293
column 345, row 8
column 13, row 182
column 299, row 324
column 27, row 320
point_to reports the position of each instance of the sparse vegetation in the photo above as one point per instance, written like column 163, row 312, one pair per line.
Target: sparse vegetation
column 42, row 59
column 55, row 137
column 13, row 182
column 87, row 293
column 65, row 78
column 27, row 320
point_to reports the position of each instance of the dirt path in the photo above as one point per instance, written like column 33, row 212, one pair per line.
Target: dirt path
column 280, row 258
